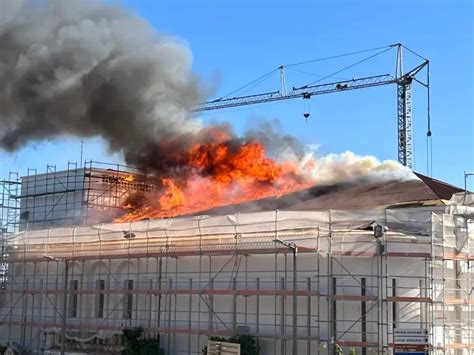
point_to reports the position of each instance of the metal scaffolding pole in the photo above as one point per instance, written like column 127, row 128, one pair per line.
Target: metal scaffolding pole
column 359, row 261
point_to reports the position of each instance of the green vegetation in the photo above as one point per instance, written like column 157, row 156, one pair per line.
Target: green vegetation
column 136, row 344
column 338, row 350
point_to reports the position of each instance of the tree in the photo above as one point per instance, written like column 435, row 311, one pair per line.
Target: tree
column 136, row 344
column 338, row 350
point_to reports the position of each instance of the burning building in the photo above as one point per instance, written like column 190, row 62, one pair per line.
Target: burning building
column 352, row 265
column 95, row 193
column 214, row 234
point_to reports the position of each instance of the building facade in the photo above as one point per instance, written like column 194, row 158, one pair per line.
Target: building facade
column 306, row 280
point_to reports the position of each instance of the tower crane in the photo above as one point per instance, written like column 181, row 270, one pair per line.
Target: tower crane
column 404, row 96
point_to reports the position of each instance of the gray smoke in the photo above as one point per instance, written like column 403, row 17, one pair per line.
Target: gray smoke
column 278, row 145
column 87, row 68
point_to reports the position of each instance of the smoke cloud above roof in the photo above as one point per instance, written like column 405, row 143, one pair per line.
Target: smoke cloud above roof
column 88, row 68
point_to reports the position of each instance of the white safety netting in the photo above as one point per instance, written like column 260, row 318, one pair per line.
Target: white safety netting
column 238, row 231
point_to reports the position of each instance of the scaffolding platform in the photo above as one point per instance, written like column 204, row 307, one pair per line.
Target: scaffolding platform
column 317, row 278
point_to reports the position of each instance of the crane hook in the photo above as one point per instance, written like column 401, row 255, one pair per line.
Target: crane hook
column 307, row 106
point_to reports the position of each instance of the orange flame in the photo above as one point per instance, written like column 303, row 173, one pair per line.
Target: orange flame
column 129, row 178
column 219, row 174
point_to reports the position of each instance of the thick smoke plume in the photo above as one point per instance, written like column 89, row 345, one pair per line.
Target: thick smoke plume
column 87, row 68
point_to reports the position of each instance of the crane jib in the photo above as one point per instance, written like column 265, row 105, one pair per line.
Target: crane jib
column 302, row 92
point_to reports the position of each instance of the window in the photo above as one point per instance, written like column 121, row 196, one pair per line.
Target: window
column 99, row 304
column 394, row 303
column 363, row 310
column 73, row 298
column 334, row 307
column 128, row 299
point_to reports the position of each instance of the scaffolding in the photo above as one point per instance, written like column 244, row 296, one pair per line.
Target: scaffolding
column 310, row 281
column 89, row 194
column 9, row 209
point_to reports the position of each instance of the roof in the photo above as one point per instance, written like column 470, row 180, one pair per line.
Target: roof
column 442, row 189
column 360, row 194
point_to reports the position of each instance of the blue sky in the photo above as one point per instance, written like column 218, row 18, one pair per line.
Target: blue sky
column 234, row 42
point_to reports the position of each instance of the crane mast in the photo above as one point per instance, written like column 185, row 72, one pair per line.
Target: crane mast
column 404, row 98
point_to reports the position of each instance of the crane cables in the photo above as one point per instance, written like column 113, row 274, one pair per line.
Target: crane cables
column 252, row 84
column 340, row 55
column 350, row 66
